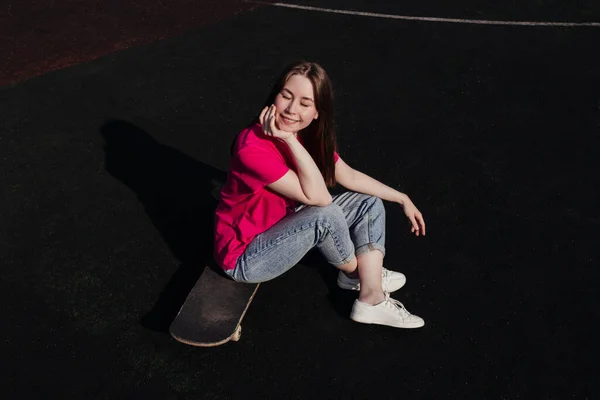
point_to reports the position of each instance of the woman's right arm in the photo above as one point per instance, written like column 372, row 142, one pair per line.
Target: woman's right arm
column 308, row 186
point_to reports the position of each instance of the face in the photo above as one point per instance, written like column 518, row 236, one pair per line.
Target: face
column 295, row 104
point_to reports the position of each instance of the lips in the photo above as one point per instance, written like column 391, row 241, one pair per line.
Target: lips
column 287, row 121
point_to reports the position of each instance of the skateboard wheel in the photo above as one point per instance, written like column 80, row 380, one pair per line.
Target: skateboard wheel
column 237, row 334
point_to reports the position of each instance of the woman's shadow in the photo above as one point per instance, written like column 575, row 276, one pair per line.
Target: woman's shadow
column 179, row 195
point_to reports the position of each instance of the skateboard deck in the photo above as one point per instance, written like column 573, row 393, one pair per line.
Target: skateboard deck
column 213, row 311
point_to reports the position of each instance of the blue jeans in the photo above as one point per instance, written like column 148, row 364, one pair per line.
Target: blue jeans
column 352, row 224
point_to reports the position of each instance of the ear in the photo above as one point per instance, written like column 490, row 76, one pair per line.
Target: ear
column 316, row 115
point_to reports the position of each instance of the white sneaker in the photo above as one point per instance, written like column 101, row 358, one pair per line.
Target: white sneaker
column 389, row 312
column 390, row 281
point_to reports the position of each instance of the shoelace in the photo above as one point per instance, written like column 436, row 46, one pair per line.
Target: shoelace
column 396, row 305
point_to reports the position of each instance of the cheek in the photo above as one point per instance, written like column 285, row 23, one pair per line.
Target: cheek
column 308, row 118
column 309, row 115
column 280, row 103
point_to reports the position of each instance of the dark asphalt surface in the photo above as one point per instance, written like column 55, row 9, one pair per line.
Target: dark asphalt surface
column 107, row 169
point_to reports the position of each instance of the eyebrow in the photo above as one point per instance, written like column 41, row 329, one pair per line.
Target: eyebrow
column 303, row 98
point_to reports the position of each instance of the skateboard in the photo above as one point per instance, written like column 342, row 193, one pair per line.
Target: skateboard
column 213, row 311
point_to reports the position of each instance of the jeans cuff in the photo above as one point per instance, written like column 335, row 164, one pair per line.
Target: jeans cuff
column 344, row 261
column 369, row 247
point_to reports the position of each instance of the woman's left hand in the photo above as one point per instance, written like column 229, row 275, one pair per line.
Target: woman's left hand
column 415, row 217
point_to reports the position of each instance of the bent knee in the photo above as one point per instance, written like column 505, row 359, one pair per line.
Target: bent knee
column 331, row 211
column 377, row 203
column 330, row 217
column 372, row 202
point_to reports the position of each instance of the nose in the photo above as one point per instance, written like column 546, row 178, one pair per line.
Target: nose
column 291, row 108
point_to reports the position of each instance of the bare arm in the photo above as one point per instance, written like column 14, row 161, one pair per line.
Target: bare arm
column 356, row 181
column 308, row 185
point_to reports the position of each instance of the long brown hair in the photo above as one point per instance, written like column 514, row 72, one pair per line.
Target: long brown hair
column 319, row 137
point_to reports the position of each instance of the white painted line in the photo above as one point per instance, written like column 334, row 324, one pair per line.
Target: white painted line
column 427, row 19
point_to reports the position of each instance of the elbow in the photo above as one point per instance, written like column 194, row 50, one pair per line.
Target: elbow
column 324, row 202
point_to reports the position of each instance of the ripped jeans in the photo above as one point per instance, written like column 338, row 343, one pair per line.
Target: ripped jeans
column 352, row 224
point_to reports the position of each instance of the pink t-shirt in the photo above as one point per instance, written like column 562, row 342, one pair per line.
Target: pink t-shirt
column 246, row 207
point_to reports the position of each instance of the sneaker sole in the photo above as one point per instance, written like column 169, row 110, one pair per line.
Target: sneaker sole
column 347, row 287
column 406, row 325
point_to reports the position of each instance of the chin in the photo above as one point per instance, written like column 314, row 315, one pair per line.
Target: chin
column 286, row 129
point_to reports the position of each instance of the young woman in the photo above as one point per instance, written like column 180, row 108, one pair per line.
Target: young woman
column 275, row 205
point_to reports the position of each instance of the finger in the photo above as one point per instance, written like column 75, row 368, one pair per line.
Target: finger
column 422, row 223
column 267, row 117
column 261, row 117
column 273, row 127
column 264, row 122
column 415, row 227
column 275, row 117
column 273, row 111
column 269, row 120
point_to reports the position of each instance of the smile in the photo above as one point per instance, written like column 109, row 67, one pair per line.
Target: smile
column 288, row 121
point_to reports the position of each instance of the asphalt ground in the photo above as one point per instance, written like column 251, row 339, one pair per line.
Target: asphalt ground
column 107, row 169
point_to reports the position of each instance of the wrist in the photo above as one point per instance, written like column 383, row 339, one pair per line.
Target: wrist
column 402, row 199
column 290, row 140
